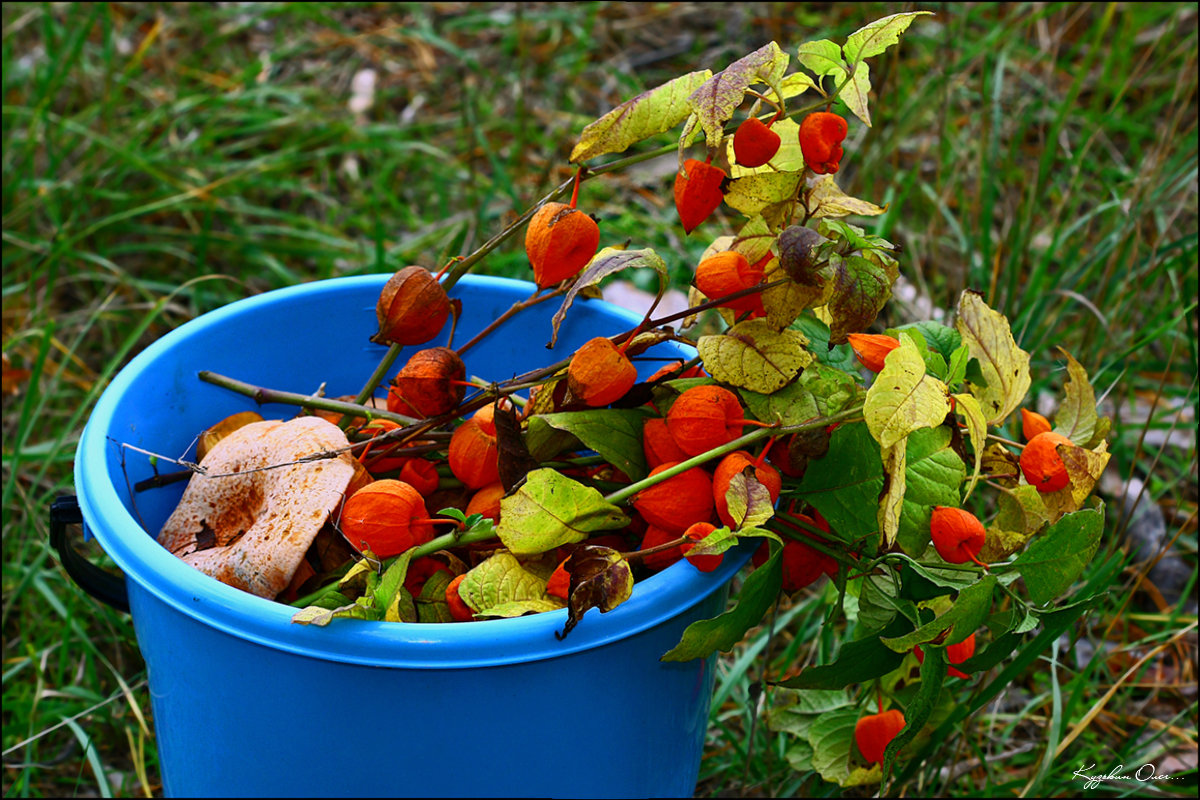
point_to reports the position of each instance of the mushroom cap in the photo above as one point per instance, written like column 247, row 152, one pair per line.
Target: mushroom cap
column 251, row 529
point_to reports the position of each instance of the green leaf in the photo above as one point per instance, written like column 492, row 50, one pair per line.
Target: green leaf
column 857, row 662
column 877, row 602
column 716, row 99
column 839, row 356
column 831, row 737
column 703, row 638
column 822, row 58
column 820, row 392
column 875, row 37
column 651, row 112
column 933, row 474
column 550, row 509
column 609, row 261
column 860, row 290
column 942, row 338
column 967, row 614
column 1059, row 556
column 957, row 369
column 917, row 713
column 614, row 433
column 1005, row 366
column 846, row 487
column 753, row 355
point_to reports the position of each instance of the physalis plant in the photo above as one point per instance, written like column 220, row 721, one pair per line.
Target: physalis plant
column 861, row 456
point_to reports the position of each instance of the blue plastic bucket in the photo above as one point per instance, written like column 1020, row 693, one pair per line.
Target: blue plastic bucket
column 248, row 704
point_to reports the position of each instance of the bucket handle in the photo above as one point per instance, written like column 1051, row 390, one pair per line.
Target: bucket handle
column 104, row 586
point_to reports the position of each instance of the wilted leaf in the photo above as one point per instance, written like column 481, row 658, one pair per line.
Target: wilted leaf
column 550, row 510
column 1057, row 558
column 13, row 378
column 1005, row 366
column 608, row 261
column 717, row 98
column 753, row 355
column 1077, row 418
column 1000, row 544
column 826, row 199
column 519, row 608
column 600, row 578
column 903, row 398
column 783, row 303
column 650, row 113
column 860, row 289
column 513, row 456
column 217, row 432
column 1001, row 466
column 1084, row 468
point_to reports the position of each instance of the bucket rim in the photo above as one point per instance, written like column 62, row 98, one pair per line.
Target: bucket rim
column 160, row 574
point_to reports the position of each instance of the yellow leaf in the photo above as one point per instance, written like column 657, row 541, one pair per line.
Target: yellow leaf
column 753, row 355
column 754, row 193
column 968, row 408
column 895, row 461
column 1005, row 366
column 903, row 398
column 1085, row 468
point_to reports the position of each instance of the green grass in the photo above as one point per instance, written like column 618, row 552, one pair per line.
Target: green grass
column 160, row 161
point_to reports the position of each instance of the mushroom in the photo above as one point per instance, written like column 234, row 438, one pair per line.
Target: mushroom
column 251, row 529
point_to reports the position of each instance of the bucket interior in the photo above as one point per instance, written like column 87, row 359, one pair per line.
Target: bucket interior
column 302, row 339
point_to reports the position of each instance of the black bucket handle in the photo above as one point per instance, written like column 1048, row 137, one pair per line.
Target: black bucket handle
column 104, row 586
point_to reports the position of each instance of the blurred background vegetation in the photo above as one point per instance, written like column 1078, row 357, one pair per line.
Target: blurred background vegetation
column 161, row 160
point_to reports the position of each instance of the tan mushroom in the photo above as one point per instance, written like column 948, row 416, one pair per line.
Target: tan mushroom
column 251, row 530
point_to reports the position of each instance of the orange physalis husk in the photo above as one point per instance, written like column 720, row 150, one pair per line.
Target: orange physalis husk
column 754, row 143
column 821, row 134
column 473, row 454
column 697, row 532
column 559, row 583
column 559, row 242
column 412, row 308
column 697, row 192
column 957, row 534
column 654, row 537
column 1042, row 465
column 733, row 464
column 486, row 501
column 459, row 610
column 386, row 517
column 371, row 456
column 420, row 474
column 599, row 373
column 874, row 732
column 955, row 654
column 1033, row 423
column 657, row 443
column 728, row 272
column 872, row 348
column 704, row 417
column 677, row 502
column 431, row 383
